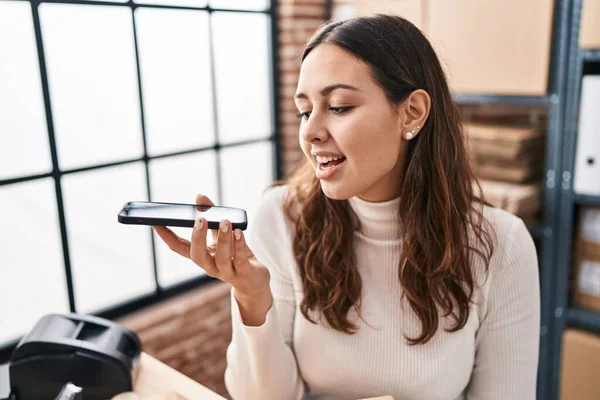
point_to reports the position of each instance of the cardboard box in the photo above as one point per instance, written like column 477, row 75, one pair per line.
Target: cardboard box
column 411, row 10
column 483, row 152
column 586, row 285
column 477, row 49
column 505, row 143
column 518, row 172
column 586, row 291
column 520, row 200
column 509, row 173
column 580, row 366
column 518, row 140
column 504, row 153
column 589, row 34
column 156, row 380
column 483, row 55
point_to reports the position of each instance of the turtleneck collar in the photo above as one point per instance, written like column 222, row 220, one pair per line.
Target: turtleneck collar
column 377, row 220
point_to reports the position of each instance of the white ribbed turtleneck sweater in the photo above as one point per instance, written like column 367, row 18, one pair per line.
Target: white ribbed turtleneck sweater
column 493, row 357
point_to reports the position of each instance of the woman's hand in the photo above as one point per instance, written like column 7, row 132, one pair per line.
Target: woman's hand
column 229, row 259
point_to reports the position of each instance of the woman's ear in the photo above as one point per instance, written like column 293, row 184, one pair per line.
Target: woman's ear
column 413, row 113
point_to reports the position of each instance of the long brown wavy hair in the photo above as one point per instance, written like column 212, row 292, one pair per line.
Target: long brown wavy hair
column 439, row 207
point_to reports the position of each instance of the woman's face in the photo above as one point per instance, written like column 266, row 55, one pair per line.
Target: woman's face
column 349, row 132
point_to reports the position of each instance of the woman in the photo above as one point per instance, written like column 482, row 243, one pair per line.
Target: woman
column 377, row 270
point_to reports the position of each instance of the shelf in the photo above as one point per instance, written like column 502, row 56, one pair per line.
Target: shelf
column 584, row 319
column 539, row 231
column 586, row 200
column 500, row 99
column 591, row 55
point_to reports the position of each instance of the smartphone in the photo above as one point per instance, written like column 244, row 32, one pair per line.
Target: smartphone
column 184, row 215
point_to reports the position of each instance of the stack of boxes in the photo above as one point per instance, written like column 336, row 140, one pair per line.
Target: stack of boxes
column 513, row 155
column 508, row 159
column 581, row 350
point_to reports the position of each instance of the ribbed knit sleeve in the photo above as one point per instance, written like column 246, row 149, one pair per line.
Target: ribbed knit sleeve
column 507, row 341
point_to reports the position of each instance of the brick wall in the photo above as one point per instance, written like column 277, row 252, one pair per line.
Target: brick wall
column 298, row 20
column 191, row 332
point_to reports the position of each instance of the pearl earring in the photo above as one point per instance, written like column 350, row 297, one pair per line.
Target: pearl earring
column 411, row 134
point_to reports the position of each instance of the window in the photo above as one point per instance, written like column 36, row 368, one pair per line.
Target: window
column 115, row 101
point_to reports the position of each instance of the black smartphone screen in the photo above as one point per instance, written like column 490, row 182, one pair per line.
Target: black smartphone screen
column 173, row 214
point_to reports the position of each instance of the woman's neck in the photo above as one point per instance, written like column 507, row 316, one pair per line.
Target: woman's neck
column 378, row 220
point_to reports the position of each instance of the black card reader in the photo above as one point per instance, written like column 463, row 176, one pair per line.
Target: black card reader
column 95, row 354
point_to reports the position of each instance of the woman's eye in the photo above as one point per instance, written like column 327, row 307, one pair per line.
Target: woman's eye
column 340, row 110
column 336, row 110
column 304, row 115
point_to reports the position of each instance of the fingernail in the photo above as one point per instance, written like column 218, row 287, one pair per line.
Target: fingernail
column 224, row 226
column 199, row 224
column 238, row 234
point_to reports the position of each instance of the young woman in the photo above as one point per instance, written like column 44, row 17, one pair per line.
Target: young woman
column 377, row 269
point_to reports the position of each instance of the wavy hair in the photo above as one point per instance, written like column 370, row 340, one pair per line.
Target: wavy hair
column 441, row 217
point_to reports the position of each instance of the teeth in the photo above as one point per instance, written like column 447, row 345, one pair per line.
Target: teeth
column 323, row 160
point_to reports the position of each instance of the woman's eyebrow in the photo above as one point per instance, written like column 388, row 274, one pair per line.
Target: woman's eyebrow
column 328, row 89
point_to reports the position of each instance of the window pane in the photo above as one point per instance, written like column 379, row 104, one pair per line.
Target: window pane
column 241, row 5
column 24, row 146
column 175, row 68
column 242, row 75
column 178, row 180
column 184, row 3
column 111, row 262
column 237, row 164
column 93, row 83
column 32, row 272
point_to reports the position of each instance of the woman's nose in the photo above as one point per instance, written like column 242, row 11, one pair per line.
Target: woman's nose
column 313, row 131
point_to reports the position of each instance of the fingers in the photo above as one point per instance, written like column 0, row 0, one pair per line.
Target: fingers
column 198, row 251
column 175, row 243
column 223, row 252
column 204, row 200
column 240, row 259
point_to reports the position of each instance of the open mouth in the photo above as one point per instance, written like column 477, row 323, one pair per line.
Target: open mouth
column 329, row 162
column 328, row 166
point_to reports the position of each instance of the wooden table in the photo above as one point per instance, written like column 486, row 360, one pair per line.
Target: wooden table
column 157, row 381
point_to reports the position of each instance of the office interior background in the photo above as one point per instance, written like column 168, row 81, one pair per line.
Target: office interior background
column 104, row 102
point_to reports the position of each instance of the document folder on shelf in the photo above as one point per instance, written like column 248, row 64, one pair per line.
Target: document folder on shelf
column 587, row 161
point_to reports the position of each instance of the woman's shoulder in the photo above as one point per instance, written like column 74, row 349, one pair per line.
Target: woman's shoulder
column 273, row 201
column 270, row 216
column 513, row 243
column 275, row 194
column 502, row 221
